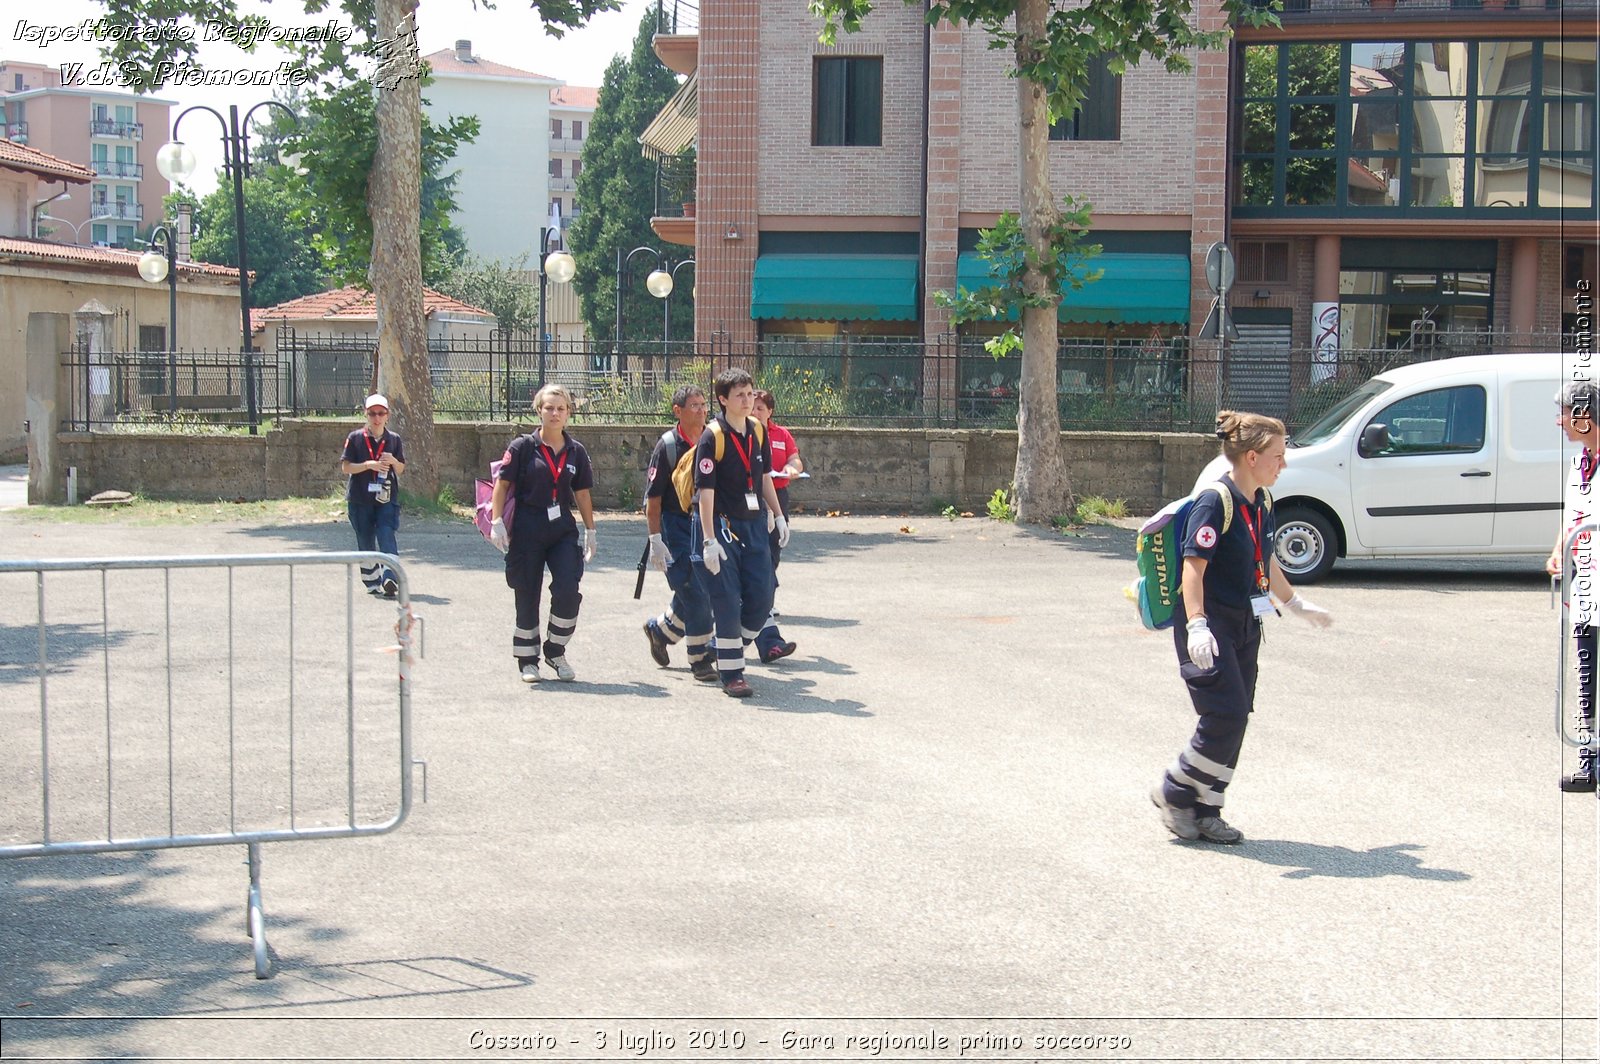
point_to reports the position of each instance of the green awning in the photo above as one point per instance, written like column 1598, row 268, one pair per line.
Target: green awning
column 835, row 287
column 1135, row 288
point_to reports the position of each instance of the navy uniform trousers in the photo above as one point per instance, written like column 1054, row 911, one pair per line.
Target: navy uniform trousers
column 1223, row 696
column 741, row 592
column 688, row 617
column 543, row 548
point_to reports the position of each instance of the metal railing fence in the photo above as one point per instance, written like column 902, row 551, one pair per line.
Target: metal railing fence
column 177, row 706
column 1103, row 384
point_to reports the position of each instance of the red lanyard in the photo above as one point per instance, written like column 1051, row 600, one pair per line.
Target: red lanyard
column 1255, row 538
column 555, row 470
column 686, row 441
column 744, row 456
column 370, row 455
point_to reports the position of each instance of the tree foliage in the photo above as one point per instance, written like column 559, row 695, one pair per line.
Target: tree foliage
column 499, row 287
column 282, row 258
column 617, row 191
column 1052, row 48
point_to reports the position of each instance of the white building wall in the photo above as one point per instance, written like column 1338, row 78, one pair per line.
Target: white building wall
column 500, row 201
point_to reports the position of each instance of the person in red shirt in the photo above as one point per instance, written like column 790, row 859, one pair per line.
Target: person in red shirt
column 786, row 463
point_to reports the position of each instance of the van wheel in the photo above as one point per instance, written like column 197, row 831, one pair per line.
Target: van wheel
column 1306, row 545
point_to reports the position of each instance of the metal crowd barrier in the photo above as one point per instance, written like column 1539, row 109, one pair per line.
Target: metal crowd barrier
column 176, row 727
column 1560, row 587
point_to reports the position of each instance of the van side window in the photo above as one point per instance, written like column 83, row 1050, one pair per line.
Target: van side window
column 1444, row 421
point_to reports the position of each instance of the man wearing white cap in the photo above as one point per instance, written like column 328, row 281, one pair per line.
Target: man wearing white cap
column 373, row 459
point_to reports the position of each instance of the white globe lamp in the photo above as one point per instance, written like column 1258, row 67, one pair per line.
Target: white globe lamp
column 176, row 161
column 559, row 267
column 659, row 284
column 153, row 266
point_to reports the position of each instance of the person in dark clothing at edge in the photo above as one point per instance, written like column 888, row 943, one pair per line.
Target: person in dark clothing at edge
column 736, row 506
column 549, row 472
column 373, row 459
column 688, row 616
column 1230, row 577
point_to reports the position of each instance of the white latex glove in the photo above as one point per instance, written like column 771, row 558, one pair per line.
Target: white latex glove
column 1307, row 610
column 1202, row 644
column 772, row 520
column 660, row 556
column 783, row 531
column 499, row 536
column 713, row 556
column 589, row 536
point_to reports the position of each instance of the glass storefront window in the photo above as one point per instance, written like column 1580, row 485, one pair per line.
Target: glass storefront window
column 1501, row 181
column 1313, row 70
column 1260, row 70
column 1438, row 181
column 1255, row 183
column 1373, row 181
column 1567, row 182
column 1260, row 132
column 1439, row 127
column 1439, row 68
column 1505, row 68
column 1569, row 125
column 1311, row 180
column 1503, row 125
column 1375, row 124
column 1311, row 126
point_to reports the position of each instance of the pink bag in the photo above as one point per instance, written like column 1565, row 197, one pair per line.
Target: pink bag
column 483, row 516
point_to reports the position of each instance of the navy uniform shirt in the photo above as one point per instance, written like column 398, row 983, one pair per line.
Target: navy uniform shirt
column 527, row 465
column 358, row 448
column 658, row 477
column 730, row 478
column 1231, row 575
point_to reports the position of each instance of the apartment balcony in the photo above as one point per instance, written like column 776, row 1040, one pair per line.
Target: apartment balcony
column 563, row 184
column 17, row 131
column 674, row 216
column 1510, row 12
column 677, row 37
column 103, row 127
column 126, row 212
column 567, row 145
column 112, row 168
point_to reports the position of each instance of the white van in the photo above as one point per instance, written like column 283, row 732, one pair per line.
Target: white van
column 1459, row 456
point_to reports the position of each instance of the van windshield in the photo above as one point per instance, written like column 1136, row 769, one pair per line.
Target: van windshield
column 1329, row 424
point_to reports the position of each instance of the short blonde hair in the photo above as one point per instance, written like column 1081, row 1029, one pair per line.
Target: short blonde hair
column 1242, row 433
column 549, row 390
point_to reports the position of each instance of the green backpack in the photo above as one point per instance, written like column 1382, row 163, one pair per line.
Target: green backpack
column 1160, row 559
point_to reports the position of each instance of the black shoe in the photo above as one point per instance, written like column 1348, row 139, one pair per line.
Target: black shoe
column 705, row 670
column 739, row 688
column 782, row 650
column 390, row 588
column 658, row 644
column 1580, row 782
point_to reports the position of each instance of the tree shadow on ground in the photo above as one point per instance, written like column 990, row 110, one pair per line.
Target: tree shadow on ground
column 800, row 620
column 64, row 644
column 94, row 951
column 1309, row 859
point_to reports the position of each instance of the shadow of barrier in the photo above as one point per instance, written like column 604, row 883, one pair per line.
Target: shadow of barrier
column 222, row 702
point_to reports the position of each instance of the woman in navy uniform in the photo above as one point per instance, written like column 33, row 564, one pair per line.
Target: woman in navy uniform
column 549, row 473
column 1230, row 576
column 736, row 507
column 373, row 459
column 688, row 616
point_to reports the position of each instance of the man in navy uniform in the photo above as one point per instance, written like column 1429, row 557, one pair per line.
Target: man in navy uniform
column 688, row 616
column 736, row 507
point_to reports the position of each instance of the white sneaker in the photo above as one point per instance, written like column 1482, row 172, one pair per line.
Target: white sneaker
column 563, row 670
column 530, row 674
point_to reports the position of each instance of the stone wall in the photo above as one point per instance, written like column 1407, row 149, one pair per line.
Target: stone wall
column 863, row 470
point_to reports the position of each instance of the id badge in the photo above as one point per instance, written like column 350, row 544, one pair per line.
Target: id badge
column 554, row 512
column 374, row 487
column 751, row 503
column 1262, row 605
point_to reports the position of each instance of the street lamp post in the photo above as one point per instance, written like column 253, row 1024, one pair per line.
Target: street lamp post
column 158, row 263
column 176, row 162
column 623, row 263
column 76, row 227
column 556, row 266
column 660, row 284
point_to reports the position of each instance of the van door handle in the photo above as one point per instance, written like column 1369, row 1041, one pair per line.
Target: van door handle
column 1477, row 473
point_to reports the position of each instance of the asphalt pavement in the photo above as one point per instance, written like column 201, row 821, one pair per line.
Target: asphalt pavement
column 926, row 837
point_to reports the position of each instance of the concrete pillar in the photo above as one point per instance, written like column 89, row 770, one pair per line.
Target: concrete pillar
column 91, row 329
column 1325, row 270
column 1524, row 315
column 44, row 406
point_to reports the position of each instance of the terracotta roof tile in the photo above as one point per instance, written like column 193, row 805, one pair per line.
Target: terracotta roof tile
column 578, row 96
column 14, row 156
column 44, row 250
column 444, row 61
column 353, row 304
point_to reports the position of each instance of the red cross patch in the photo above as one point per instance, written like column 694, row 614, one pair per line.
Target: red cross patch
column 652, row 474
column 707, row 465
column 1206, row 537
